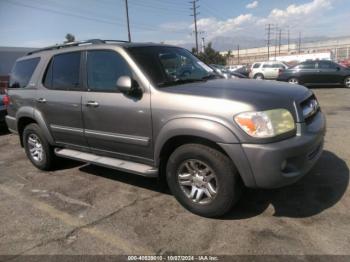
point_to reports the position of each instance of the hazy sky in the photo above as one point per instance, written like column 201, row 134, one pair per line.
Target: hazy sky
column 36, row 23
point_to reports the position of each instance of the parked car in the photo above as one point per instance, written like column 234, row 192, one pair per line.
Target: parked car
column 4, row 102
column 120, row 105
column 244, row 70
column 221, row 70
column 317, row 73
column 267, row 70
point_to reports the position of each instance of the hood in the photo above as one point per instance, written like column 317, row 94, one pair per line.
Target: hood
column 262, row 94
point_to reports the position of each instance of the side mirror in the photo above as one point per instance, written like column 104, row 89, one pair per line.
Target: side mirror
column 124, row 84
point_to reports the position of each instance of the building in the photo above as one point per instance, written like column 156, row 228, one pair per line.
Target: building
column 8, row 56
column 340, row 49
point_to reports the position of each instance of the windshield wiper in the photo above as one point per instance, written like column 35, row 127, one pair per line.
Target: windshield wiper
column 180, row 82
column 211, row 76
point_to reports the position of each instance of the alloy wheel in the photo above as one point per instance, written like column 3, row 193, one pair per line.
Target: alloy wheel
column 35, row 148
column 347, row 82
column 198, row 181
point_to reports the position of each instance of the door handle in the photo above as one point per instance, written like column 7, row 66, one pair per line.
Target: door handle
column 41, row 100
column 92, row 104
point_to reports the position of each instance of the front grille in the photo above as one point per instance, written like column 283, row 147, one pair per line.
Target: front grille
column 310, row 108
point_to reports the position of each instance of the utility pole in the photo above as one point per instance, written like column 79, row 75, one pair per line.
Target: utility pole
column 237, row 54
column 268, row 29
column 127, row 19
column 299, row 43
column 279, row 41
column 276, row 36
column 288, row 40
column 195, row 13
column 203, row 45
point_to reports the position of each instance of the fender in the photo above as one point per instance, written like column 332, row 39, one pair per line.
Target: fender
column 203, row 128
column 36, row 115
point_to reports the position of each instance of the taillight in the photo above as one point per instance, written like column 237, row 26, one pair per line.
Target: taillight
column 6, row 100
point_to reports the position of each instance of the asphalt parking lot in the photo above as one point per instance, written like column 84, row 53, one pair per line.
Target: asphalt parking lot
column 84, row 209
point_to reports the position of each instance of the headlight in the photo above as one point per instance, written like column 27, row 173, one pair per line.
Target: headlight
column 268, row 123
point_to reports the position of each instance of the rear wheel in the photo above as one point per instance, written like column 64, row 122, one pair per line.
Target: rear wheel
column 37, row 148
column 293, row 81
column 203, row 180
column 347, row 82
column 259, row 76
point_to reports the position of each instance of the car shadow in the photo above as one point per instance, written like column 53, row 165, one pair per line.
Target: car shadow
column 322, row 188
column 3, row 129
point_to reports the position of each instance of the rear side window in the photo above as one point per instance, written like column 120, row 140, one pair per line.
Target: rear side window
column 307, row 65
column 267, row 66
column 103, row 70
column 256, row 65
column 22, row 72
column 63, row 72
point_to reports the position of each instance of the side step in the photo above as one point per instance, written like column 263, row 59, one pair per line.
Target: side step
column 114, row 163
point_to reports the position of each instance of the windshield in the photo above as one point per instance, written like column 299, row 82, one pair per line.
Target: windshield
column 167, row 66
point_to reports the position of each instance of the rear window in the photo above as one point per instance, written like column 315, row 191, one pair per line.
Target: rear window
column 22, row 72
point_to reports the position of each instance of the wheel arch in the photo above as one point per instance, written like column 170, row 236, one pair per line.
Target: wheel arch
column 26, row 116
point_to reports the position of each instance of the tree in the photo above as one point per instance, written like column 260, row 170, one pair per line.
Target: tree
column 211, row 56
column 69, row 38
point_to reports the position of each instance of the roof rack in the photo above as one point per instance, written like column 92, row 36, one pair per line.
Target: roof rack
column 76, row 43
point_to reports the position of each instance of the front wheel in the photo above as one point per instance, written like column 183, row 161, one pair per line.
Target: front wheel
column 293, row 81
column 203, row 180
column 37, row 148
column 347, row 82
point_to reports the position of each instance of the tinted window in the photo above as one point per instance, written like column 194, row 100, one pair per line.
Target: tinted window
column 256, row 65
column 307, row 65
column 267, row 66
column 278, row 66
column 103, row 70
column 327, row 65
column 63, row 72
column 22, row 72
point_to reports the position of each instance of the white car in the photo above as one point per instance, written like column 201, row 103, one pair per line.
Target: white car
column 267, row 70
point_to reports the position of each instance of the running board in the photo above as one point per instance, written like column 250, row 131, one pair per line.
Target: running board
column 114, row 163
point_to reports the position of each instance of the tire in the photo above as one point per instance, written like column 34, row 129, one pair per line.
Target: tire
column 347, row 82
column 293, row 80
column 34, row 139
column 259, row 76
column 226, row 182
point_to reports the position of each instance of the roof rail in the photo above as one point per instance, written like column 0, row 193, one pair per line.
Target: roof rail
column 76, row 43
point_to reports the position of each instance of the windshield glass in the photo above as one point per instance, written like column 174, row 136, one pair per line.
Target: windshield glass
column 170, row 65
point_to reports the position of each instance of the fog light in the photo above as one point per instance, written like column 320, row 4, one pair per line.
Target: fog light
column 283, row 165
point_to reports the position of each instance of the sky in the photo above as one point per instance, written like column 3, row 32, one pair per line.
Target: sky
column 38, row 23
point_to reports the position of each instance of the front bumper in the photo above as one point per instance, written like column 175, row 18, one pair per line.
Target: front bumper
column 282, row 163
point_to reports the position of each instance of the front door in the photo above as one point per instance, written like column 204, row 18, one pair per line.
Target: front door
column 115, row 124
column 59, row 99
column 329, row 72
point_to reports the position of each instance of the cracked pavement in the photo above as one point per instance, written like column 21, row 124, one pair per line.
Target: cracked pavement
column 84, row 209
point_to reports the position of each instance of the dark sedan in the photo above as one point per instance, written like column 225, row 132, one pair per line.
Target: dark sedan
column 317, row 73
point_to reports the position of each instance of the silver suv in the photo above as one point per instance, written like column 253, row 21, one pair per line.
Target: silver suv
column 267, row 70
column 157, row 111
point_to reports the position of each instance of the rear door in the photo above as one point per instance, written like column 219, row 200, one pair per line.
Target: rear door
column 116, row 124
column 268, row 70
column 329, row 72
column 59, row 100
column 308, row 72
